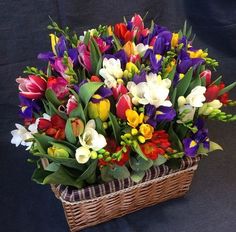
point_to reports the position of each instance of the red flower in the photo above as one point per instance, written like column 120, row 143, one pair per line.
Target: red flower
column 122, row 105
column 124, row 156
column 119, row 90
column 207, row 76
column 212, row 92
column 54, row 127
column 151, row 150
column 138, row 26
column 224, row 98
column 122, row 32
column 59, row 86
column 95, row 79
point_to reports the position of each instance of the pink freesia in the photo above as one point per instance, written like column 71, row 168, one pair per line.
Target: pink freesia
column 101, row 44
column 84, row 56
column 207, row 76
column 71, row 104
column 59, row 67
column 119, row 90
column 32, row 87
column 59, row 86
column 123, row 104
column 138, row 26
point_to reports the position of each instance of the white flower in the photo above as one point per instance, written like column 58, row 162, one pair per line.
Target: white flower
column 33, row 128
column 20, row 135
column 187, row 116
column 82, row 155
column 141, row 49
column 196, row 96
column 155, row 80
column 208, row 107
column 111, row 71
column 91, row 139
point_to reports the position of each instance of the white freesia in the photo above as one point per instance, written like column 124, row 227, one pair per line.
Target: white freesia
column 187, row 116
column 196, row 96
column 140, row 49
column 20, row 135
column 154, row 91
column 90, row 138
column 82, row 155
column 208, row 107
column 111, row 71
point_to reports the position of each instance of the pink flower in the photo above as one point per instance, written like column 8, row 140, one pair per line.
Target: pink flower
column 101, row 44
column 71, row 104
column 59, row 86
column 134, row 58
column 32, row 87
column 122, row 105
column 59, row 67
column 120, row 89
column 138, row 25
column 207, row 76
column 84, row 56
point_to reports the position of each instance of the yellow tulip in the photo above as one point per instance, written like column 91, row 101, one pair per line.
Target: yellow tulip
column 100, row 109
column 54, row 41
column 57, row 152
column 129, row 48
column 146, row 130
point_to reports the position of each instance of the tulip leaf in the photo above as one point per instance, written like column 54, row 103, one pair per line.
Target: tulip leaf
column 116, row 42
column 87, row 90
column 160, row 160
column 95, row 55
column 184, row 83
column 45, row 105
column 69, row 132
column 86, row 38
column 89, row 171
column 51, row 97
column 175, row 141
column 217, row 81
column 52, row 167
column 115, row 126
column 78, row 112
column 99, row 126
column 53, row 110
column 39, row 175
column 138, row 150
column 43, row 142
column 213, row 147
column 119, row 172
column 196, row 82
column 99, row 65
column 227, row 89
column 137, row 176
column 140, row 164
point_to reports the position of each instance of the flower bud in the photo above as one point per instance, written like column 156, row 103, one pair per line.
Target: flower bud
column 141, row 139
column 181, row 101
column 77, row 127
column 57, row 152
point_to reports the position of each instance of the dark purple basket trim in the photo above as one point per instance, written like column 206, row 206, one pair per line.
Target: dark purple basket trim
column 70, row 194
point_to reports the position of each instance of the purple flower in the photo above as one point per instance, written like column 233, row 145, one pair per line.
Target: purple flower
column 155, row 64
column 27, row 107
column 103, row 92
column 139, row 78
column 163, row 43
column 121, row 55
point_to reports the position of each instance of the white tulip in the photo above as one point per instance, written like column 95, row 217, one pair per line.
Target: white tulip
column 196, row 96
column 82, row 155
column 111, row 71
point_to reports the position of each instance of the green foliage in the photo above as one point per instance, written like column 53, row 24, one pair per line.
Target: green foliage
column 175, row 141
column 69, row 132
column 213, row 147
column 227, row 88
column 140, row 164
column 115, row 126
column 137, row 176
column 95, row 56
column 160, row 160
column 119, row 172
column 184, row 83
column 51, row 97
column 34, row 71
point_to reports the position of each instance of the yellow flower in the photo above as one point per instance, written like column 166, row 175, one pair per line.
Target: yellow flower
column 109, row 30
column 170, row 66
column 174, row 40
column 146, row 130
column 54, row 41
column 129, row 48
column 57, row 152
column 131, row 68
column 133, row 118
column 99, row 110
column 198, row 54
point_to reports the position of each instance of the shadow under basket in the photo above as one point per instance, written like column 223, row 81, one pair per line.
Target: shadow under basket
column 89, row 212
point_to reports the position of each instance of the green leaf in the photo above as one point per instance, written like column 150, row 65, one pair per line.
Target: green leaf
column 89, row 171
column 43, row 142
column 139, row 164
column 160, row 160
column 105, row 174
column 217, row 81
column 52, row 167
column 39, row 175
column 69, row 132
column 227, row 89
column 51, row 97
column 99, row 66
column 196, row 82
column 61, row 176
column 138, row 150
column 172, row 74
column 184, row 83
column 87, row 90
column 173, row 97
column 99, row 126
column 119, row 172
column 117, row 43
column 95, row 55
column 175, row 141
column 53, row 110
column 86, row 38
column 213, row 147
column 78, row 112
column 46, row 108
column 115, row 126
column 174, row 163
column 137, row 176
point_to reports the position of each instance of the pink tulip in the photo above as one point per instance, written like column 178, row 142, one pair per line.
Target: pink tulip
column 119, row 90
column 135, row 58
column 32, row 87
column 59, row 86
column 101, row 44
column 207, row 75
column 84, row 56
column 71, row 104
column 123, row 104
column 138, row 25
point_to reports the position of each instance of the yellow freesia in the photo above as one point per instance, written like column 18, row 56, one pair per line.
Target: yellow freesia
column 170, row 66
column 174, row 40
column 109, row 31
column 99, row 110
column 131, row 68
column 54, row 41
column 57, row 152
column 198, row 54
column 146, row 130
column 133, row 118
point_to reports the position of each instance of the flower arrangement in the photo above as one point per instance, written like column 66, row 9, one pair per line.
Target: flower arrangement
column 116, row 101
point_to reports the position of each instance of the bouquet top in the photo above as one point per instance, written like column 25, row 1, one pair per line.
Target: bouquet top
column 116, row 101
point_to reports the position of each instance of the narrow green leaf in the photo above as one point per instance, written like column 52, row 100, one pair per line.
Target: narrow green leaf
column 185, row 27
column 117, row 42
column 51, row 97
column 99, row 65
column 115, row 126
column 89, row 171
column 53, row 110
column 138, row 150
column 69, row 132
column 213, row 147
column 78, row 112
column 175, row 141
column 95, row 55
column 99, row 126
column 43, row 142
column 184, row 83
column 217, row 81
column 86, row 38
column 172, row 74
column 227, row 89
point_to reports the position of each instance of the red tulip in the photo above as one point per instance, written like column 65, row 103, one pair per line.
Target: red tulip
column 123, row 104
column 207, row 76
column 119, row 90
column 212, row 92
column 71, row 104
column 59, row 86
column 122, row 32
column 32, row 87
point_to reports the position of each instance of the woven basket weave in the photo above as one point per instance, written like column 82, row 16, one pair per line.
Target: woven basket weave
column 91, row 212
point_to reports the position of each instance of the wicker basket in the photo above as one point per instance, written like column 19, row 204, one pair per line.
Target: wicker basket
column 91, row 212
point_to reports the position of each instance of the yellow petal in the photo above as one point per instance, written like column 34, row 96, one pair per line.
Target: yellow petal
column 54, row 41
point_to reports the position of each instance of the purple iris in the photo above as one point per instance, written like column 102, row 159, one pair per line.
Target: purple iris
column 163, row 43
column 103, row 92
column 121, row 55
column 155, row 64
column 156, row 115
column 139, row 78
column 27, row 107
column 192, row 143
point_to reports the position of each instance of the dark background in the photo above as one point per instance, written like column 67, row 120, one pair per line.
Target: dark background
column 26, row 206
